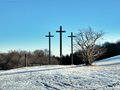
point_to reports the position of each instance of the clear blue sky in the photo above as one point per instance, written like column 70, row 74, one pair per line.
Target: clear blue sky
column 24, row 23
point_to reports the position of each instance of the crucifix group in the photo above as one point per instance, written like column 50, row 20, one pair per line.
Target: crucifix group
column 60, row 31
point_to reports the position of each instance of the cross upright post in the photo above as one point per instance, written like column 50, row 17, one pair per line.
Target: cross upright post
column 26, row 63
column 71, row 46
column 49, row 46
column 61, row 41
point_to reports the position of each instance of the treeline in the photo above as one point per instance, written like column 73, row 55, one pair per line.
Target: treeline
column 111, row 49
column 16, row 59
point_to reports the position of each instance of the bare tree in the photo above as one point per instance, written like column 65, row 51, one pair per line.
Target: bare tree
column 86, row 42
column 39, row 53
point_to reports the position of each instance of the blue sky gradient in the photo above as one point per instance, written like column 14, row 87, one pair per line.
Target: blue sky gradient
column 24, row 23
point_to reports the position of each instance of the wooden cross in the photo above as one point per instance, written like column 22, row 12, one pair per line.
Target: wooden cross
column 71, row 46
column 49, row 46
column 61, row 41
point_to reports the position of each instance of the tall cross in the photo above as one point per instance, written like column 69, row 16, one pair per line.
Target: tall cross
column 71, row 46
column 61, row 41
column 49, row 46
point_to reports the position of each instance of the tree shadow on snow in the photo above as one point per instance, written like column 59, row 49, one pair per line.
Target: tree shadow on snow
column 31, row 71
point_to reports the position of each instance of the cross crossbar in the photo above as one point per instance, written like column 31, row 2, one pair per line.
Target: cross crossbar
column 60, row 30
column 49, row 35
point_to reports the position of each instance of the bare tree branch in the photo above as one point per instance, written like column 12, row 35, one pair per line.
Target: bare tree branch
column 86, row 41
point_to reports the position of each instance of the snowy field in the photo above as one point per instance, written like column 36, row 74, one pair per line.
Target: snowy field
column 103, row 75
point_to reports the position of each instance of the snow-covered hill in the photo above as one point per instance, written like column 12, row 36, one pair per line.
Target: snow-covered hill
column 103, row 75
column 109, row 61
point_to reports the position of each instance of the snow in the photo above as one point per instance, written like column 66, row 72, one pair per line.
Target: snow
column 110, row 61
column 103, row 75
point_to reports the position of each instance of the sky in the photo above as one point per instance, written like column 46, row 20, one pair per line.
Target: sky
column 24, row 23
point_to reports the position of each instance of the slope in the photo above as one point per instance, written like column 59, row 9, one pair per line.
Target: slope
column 105, row 75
